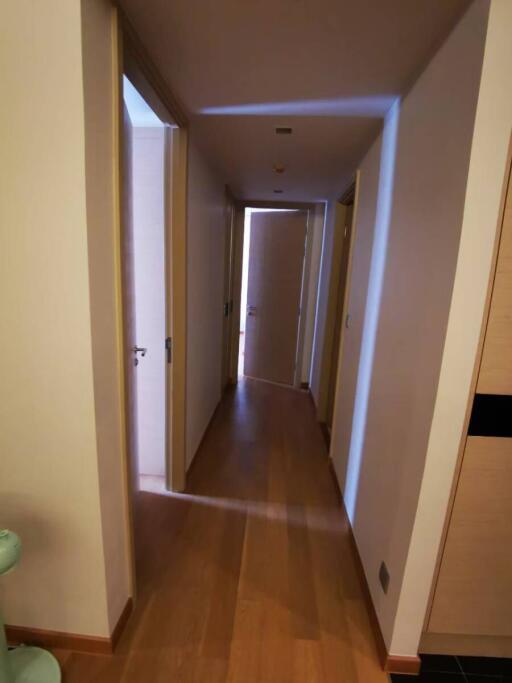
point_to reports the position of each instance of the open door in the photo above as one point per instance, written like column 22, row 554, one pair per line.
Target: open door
column 340, row 301
column 276, row 262
column 127, row 251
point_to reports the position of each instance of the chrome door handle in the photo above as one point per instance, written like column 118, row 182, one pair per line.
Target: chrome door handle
column 139, row 349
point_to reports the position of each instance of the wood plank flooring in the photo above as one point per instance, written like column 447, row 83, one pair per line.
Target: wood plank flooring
column 248, row 577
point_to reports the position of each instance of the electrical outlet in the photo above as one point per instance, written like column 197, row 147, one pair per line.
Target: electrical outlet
column 384, row 577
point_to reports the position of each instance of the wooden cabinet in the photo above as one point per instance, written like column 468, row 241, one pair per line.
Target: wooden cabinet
column 495, row 376
column 474, row 588
column 471, row 607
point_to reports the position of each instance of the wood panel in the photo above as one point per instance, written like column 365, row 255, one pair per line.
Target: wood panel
column 496, row 368
column 474, row 590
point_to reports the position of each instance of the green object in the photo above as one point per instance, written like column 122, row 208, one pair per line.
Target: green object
column 21, row 664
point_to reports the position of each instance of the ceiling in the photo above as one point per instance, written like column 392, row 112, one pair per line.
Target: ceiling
column 327, row 68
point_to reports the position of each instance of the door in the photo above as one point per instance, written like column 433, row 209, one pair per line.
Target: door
column 128, row 265
column 227, row 311
column 276, row 260
column 340, row 301
column 148, row 197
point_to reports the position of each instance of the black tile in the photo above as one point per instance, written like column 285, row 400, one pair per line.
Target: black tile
column 400, row 678
column 487, row 666
column 446, row 663
column 490, row 416
column 481, row 678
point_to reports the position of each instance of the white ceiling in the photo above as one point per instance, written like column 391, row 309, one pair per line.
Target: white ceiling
column 327, row 68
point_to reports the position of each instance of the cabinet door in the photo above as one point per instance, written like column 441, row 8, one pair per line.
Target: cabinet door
column 474, row 589
column 495, row 375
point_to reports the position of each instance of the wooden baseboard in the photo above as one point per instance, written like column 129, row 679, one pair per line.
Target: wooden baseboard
column 398, row 664
column 59, row 640
column 395, row 664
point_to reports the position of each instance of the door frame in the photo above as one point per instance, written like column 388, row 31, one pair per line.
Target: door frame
column 229, row 274
column 236, row 269
column 351, row 195
column 130, row 56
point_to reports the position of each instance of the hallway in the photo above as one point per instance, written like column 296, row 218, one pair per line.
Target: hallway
column 249, row 577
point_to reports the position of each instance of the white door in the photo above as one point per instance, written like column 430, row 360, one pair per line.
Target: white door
column 150, row 300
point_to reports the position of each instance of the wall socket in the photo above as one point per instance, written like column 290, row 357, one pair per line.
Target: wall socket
column 384, row 577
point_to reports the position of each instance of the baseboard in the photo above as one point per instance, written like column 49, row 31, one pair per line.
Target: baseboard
column 59, row 640
column 396, row 664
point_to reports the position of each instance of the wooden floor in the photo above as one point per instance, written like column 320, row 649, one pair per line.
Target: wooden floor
column 248, row 577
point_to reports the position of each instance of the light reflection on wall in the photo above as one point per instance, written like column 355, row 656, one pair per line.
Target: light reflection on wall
column 376, row 106
column 373, row 301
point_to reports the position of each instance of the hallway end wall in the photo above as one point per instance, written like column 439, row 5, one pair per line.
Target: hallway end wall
column 206, row 232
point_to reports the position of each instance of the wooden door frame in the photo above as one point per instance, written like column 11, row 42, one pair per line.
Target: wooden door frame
column 349, row 195
column 228, row 302
column 236, row 268
column 128, row 50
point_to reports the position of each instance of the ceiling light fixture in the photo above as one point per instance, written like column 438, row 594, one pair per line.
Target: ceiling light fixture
column 278, row 192
column 279, row 168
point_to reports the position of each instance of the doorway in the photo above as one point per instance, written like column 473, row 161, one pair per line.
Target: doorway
column 345, row 217
column 337, row 314
column 147, row 293
column 274, row 248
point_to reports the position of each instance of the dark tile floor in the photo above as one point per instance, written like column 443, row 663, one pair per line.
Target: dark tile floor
column 448, row 669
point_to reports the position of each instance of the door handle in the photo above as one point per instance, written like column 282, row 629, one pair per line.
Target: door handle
column 139, row 349
column 251, row 310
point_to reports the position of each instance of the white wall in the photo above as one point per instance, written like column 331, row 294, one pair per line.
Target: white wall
column 417, row 227
column 49, row 487
column 149, row 278
column 483, row 194
column 315, row 235
column 205, row 256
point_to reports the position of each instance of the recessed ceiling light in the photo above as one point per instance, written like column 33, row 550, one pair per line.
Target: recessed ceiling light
column 283, row 130
column 279, row 168
column 278, row 191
